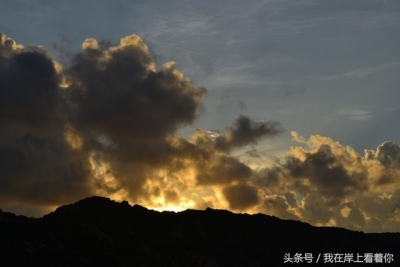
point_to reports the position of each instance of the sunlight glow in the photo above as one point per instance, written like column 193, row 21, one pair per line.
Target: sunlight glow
column 160, row 205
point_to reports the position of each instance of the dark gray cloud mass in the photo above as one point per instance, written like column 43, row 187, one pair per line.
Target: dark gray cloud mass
column 241, row 196
column 119, row 93
column 324, row 170
column 245, row 131
column 107, row 124
column 29, row 92
column 37, row 166
column 388, row 153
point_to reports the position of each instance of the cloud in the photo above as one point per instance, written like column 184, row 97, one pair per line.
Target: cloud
column 241, row 196
column 324, row 170
column 7, row 45
column 326, row 183
column 107, row 124
column 361, row 114
column 245, row 131
column 41, row 170
column 37, row 166
column 119, row 93
column 388, row 153
column 279, row 206
column 222, row 170
column 127, row 112
column 30, row 97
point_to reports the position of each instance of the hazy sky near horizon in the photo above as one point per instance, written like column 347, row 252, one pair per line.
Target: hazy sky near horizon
column 286, row 96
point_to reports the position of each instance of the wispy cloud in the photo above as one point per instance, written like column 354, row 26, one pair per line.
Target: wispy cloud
column 358, row 73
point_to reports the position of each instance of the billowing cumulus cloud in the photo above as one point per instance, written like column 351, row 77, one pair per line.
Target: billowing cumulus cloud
column 107, row 124
column 126, row 112
column 325, row 183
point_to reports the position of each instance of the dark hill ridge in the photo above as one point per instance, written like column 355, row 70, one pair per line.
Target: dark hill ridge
column 100, row 232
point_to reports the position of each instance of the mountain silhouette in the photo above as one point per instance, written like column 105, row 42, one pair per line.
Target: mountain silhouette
column 98, row 231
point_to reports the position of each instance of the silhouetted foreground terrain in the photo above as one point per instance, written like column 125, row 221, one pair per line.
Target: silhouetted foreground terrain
column 100, row 232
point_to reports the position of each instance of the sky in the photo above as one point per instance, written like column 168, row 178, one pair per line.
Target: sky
column 288, row 108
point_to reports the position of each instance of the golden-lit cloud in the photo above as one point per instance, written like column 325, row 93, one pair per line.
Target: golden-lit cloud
column 325, row 183
column 72, row 138
column 8, row 46
column 107, row 124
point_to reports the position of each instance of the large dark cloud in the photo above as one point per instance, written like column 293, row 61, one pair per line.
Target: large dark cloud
column 29, row 92
column 37, row 166
column 124, row 109
column 107, row 124
column 118, row 92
